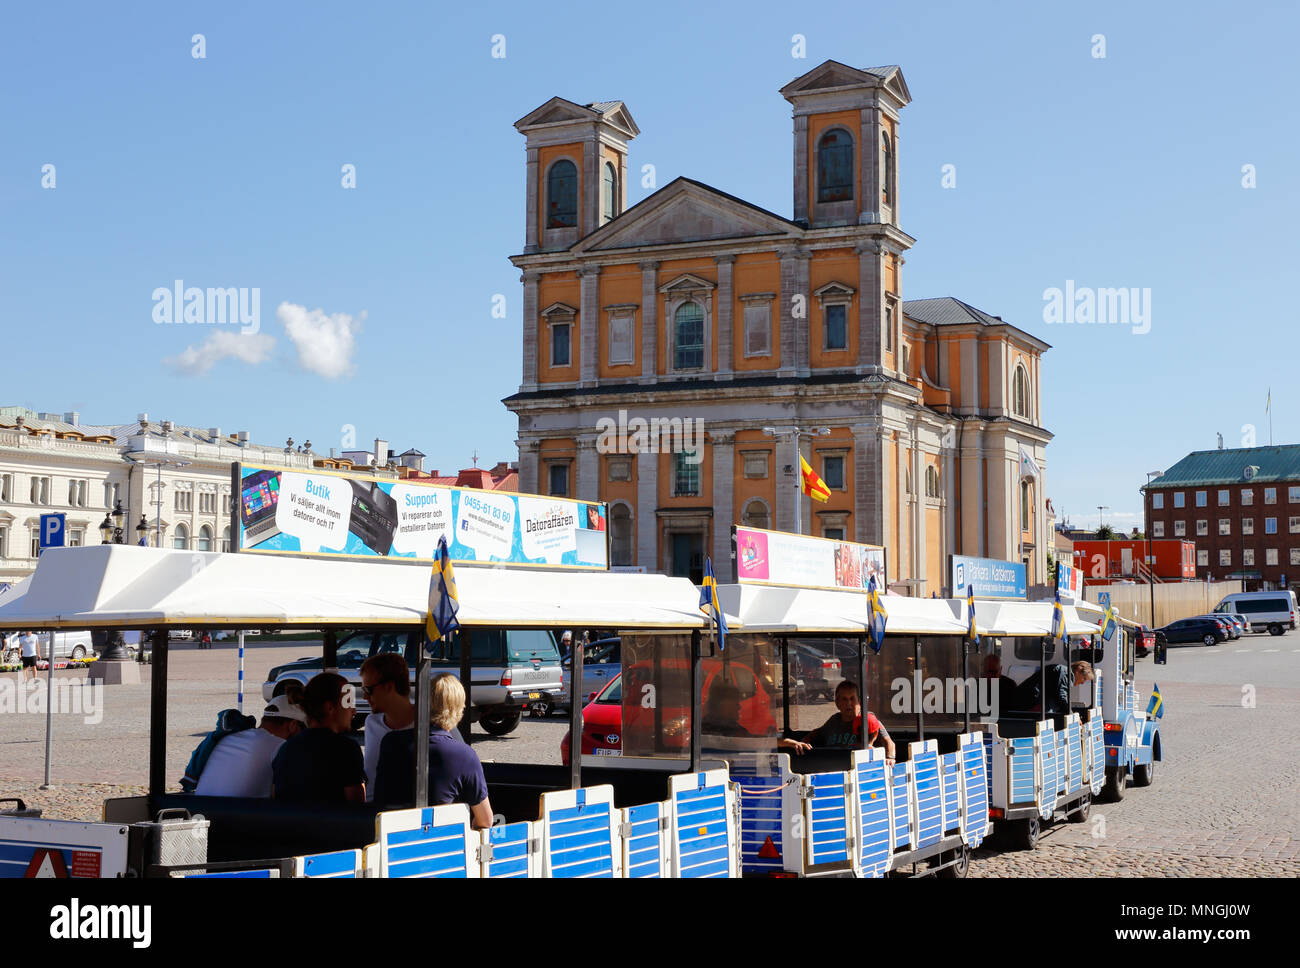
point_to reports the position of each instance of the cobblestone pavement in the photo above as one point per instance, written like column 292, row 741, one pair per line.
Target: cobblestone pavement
column 1224, row 800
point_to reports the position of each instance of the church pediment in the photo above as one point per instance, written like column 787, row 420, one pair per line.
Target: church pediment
column 831, row 75
column 556, row 111
column 686, row 211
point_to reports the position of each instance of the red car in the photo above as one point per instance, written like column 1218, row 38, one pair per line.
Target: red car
column 602, row 718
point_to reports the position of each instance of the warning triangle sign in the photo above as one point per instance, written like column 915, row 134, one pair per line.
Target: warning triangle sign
column 47, row 862
column 768, row 851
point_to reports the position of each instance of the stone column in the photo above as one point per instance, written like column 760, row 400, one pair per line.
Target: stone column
column 531, row 214
column 787, row 358
column 869, row 160
column 724, row 468
column 589, row 328
column 801, row 168
column 803, row 353
column 586, row 485
column 649, row 322
column 786, row 484
column 898, row 183
column 920, row 555
column 871, row 307
column 589, row 202
column 528, row 450
column 868, row 496
column 724, row 317
column 531, row 322
column 647, row 500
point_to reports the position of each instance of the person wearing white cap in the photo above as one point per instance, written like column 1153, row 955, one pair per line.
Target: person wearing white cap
column 240, row 765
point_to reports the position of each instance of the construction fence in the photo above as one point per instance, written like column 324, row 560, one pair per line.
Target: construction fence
column 1173, row 600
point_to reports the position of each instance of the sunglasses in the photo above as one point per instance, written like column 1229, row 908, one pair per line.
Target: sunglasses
column 367, row 690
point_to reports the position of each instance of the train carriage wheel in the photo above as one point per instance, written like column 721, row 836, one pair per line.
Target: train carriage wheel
column 960, row 867
column 1081, row 815
column 1024, row 833
column 1113, row 792
column 1144, row 774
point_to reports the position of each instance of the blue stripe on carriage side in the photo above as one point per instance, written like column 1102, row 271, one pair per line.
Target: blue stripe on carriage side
column 716, row 789
column 419, row 834
column 514, row 867
column 449, row 866
column 264, row 873
column 453, row 852
column 334, row 864
column 582, row 812
column 573, row 828
column 598, row 854
column 595, row 868
column 702, row 819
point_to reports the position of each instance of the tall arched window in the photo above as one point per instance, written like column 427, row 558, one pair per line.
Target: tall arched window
column 756, row 514
column 835, row 167
column 181, row 538
column 886, row 169
column 688, row 337
column 620, row 534
column 225, row 539
column 609, row 192
column 931, row 482
column 562, row 196
column 1020, row 392
column 205, row 538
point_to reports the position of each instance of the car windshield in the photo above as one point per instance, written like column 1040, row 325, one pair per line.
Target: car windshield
column 527, row 644
column 612, row 693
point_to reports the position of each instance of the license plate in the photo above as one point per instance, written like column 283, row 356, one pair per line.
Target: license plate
column 606, row 752
column 534, row 695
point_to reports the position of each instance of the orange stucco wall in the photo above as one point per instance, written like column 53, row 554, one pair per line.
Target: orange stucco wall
column 827, row 266
column 753, row 273
column 559, row 287
column 618, row 285
column 665, row 475
column 668, row 271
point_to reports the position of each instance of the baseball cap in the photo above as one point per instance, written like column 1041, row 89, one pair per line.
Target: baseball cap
column 281, row 707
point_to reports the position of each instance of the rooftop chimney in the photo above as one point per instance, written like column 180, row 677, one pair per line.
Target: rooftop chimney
column 73, row 418
column 215, row 434
column 381, row 452
column 242, row 437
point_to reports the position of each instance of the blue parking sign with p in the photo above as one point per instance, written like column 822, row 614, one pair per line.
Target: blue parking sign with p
column 53, row 528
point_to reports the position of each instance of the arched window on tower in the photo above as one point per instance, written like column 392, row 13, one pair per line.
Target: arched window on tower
column 562, row 195
column 886, row 169
column 205, row 538
column 756, row 515
column 931, row 482
column 1020, row 393
column 620, row 534
column 835, row 167
column 181, row 537
column 609, row 193
column 688, row 337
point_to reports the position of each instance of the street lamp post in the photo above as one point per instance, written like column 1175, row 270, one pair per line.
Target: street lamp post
column 796, row 433
column 110, row 530
column 1151, row 562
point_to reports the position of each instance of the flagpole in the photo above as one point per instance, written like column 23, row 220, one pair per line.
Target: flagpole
column 798, row 482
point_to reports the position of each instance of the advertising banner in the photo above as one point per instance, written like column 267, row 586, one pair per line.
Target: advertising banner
column 285, row 511
column 1069, row 580
column 991, row 577
column 778, row 558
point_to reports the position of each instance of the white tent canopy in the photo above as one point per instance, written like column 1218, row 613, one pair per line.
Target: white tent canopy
column 125, row 586
column 770, row 608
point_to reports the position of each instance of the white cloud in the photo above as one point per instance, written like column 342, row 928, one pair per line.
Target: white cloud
column 326, row 342
column 223, row 344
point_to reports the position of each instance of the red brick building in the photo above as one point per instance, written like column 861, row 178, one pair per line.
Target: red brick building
column 1241, row 507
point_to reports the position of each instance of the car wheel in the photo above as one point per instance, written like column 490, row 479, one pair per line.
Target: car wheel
column 1210, row 639
column 960, row 866
column 1024, row 834
column 1275, row 629
column 1081, row 815
column 79, row 652
column 1144, row 774
column 11, row 657
column 1114, row 788
column 500, row 723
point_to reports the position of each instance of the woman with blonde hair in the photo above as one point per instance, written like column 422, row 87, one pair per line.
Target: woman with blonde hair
column 455, row 772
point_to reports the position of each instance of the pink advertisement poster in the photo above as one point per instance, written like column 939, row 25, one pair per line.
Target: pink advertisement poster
column 804, row 561
column 751, row 555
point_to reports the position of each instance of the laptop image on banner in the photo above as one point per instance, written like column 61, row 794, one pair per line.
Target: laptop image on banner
column 259, row 496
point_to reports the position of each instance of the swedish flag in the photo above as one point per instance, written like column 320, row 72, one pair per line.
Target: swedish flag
column 1156, row 704
column 1058, row 617
column 877, row 617
column 1108, row 624
column 443, row 604
column 970, row 611
column 709, row 603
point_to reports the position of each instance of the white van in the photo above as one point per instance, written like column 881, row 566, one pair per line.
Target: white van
column 1275, row 611
column 67, row 645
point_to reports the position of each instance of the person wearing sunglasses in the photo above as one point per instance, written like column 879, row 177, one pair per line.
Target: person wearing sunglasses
column 386, row 685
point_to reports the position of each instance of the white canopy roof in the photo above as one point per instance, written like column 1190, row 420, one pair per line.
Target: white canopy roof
column 126, row 586
column 772, row 608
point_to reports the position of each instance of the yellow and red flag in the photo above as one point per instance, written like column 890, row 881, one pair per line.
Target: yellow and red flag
column 813, row 485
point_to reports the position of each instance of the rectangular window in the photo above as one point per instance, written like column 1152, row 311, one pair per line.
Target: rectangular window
column 837, row 332
column 1270, row 525
column 1295, row 556
column 6, row 489
column 1202, row 527
column 76, row 538
column 1224, row 499
column 686, row 474
column 1270, row 556
column 184, row 501
column 835, row 534
column 1225, row 526
column 1248, row 557
column 1157, row 501
column 758, row 329
column 558, row 478
column 1180, row 500
column 1294, row 524
column 889, row 327
column 1293, row 495
column 1202, row 559
column 1270, row 495
column 1180, row 529
column 4, row 542
column 620, row 338
column 560, row 344
column 1247, row 525
column 1200, row 499
column 1225, row 557
column 756, row 466
column 833, row 472
column 620, row 468
column 36, row 546
column 1247, row 497
column 1158, row 529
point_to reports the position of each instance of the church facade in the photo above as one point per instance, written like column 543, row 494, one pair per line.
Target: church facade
column 681, row 355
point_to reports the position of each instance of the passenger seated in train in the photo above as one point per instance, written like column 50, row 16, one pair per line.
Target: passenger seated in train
column 455, row 772
column 1007, row 695
column 386, row 683
column 239, row 765
column 722, row 712
column 322, row 763
column 843, row 730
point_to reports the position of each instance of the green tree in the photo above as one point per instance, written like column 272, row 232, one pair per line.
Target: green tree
column 1105, row 533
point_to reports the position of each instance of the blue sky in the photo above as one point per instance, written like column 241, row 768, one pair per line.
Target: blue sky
column 1122, row 171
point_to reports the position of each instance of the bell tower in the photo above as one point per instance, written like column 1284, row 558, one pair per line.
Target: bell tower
column 577, row 169
column 846, row 144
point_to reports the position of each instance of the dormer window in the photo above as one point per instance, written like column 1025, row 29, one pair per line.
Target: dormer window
column 609, row 194
column 835, row 167
column 562, row 195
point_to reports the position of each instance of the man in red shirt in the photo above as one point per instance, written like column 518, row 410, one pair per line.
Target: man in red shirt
column 842, row 731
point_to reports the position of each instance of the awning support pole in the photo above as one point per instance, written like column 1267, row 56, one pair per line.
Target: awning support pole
column 576, row 656
column 158, row 715
column 697, row 718
column 422, row 703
